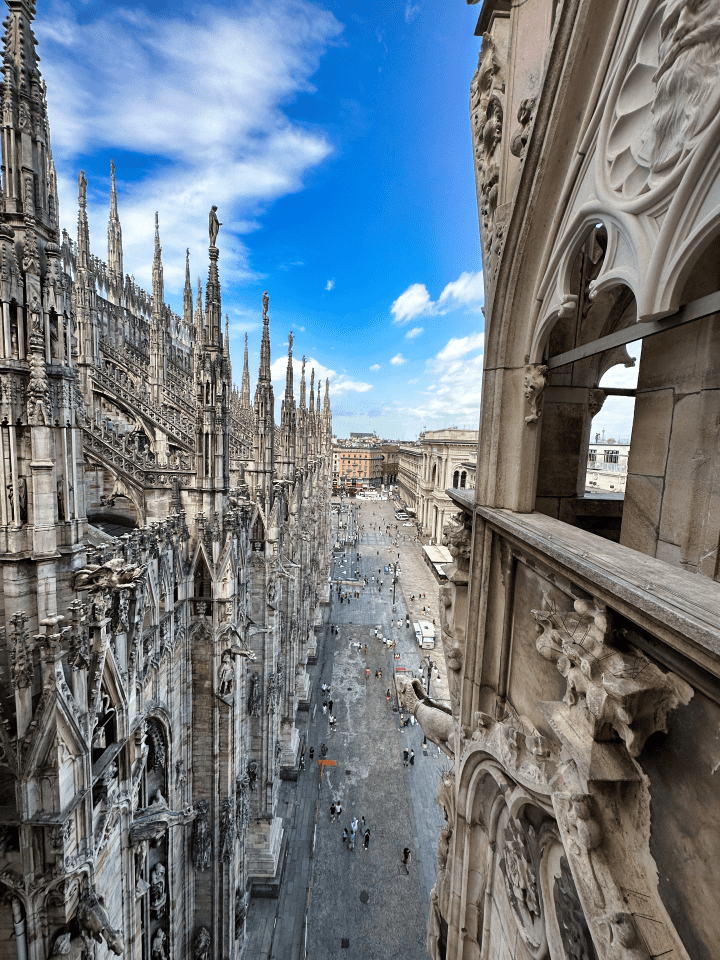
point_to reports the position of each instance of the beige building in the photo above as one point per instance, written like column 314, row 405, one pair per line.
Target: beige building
column 357, row 465
column 409, row 466
column 441, row 466
column 582, row 634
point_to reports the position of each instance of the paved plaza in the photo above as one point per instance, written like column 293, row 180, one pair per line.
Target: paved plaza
column 361, row 904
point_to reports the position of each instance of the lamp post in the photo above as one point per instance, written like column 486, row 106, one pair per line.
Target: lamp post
column 394, row 582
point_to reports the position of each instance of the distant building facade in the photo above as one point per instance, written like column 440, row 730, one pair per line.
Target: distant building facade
column 356, row 465
column 389, row 463
column 443, row 455
column 409, row 466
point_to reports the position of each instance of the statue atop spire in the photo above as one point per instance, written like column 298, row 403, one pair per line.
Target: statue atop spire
column 115, row 250
column 302, row 385
column 245, row 388
column 214, row 226
column 289, row 389
column 264, row 373
column 157, row 271
column 187, row 294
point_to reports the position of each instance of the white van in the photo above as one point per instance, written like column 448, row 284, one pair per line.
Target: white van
column 427, row 631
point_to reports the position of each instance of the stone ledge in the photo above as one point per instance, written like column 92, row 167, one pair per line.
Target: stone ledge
column 681, row 608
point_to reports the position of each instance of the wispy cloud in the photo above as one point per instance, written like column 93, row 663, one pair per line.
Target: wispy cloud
column 375, row 366
column 416, row 301
column 398, row 359
column 200, row 101
column 340, row 383
column 330, row 284
column 415, row 332
column 411, row 11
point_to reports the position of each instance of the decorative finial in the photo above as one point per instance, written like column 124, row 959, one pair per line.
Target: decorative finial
column 266, row 304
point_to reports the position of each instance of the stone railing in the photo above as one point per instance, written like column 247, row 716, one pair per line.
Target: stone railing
column 140, row 467
column 180, row 429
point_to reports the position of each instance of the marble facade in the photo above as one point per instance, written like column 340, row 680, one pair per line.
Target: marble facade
column 581, row 810
column 150, row 682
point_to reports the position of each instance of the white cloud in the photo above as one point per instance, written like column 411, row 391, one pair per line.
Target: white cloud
column 330, row 284
column 412, row 381
column 199, row 100
column 458, row 347
column 415, row 332
column 411, row 11
column 416, row 302
column 375, row 366
column 412, row 303
column 340, row 383
column 468, row 288
column 398, row 359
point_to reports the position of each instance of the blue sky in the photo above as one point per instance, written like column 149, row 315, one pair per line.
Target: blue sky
column 334, row 137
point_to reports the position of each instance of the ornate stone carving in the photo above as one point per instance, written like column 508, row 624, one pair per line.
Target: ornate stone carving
column 271, row 694
column 242, row 803
column 157, row 745
column 227, row 829
column 608, row 689
column 213, row 226
column 93, row 919
column 202, row 944
column 486, row 116
column 22, row 671
column 157, row 948
column 667, row 99
column 254, row 698
column 625, row 941
column 596, row 401
column 226, row 675
column 574, row 933
column 241, row 906
column 457, row 537
column 518, row 144
column 521, row 884
column 434, row 718
column 158, row 893
column 534, row 383
column 253, row 768
column 202, row 840
column 115, row 574
column 452, row 647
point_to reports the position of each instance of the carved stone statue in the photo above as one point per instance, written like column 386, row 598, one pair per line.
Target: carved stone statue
column 254, row 700
column 158, row 951
column 214, row 226
column 158, row 894
column 534, row 383
column 227, row 674
column 434, row 718
column 265, row 303
column 202, row 841
column 202, row 944
column 93, row 919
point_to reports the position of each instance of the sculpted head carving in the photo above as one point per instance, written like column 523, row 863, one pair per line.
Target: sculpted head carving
column 687, row 80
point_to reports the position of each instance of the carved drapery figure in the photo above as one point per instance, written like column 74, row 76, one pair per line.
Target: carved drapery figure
column 158, row 894
column 93, row 919
column 241, row 905
column 519, row 140
column 213, row 226
column 254, row 699
column 226, row 676
column 227, row 829
column 202, row 944
column 242, row 803
column 486, row 117
column 521, row 883
column 252, row 772
column 158, row 951
column 202, row 841
column 271, row 693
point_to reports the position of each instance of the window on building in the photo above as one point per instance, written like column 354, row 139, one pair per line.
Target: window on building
column 592, row 456
column 456, row 477
column 611, row 456
column 463, row 478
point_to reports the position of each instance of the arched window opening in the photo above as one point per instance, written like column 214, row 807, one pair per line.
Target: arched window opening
column 456, row 477
column 463, row 479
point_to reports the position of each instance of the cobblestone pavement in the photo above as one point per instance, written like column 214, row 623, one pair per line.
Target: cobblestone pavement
column 360, row 904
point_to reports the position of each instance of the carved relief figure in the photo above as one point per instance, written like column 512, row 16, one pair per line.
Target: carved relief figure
column 687, row 93
column 202, row 944
column 520, row 137
column 521, row 882
column 227, row 674
column 534, row 383
column 159, row 939
column 158, row 894
column 202, row 841
column 254, row 700
column 94, row 920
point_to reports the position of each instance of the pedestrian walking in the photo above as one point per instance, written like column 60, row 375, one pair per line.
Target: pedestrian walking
column 338, row 811
column 323, row 750
column 354, row 825
column 345, row 834
column 412, row 758
column 332, row 811
column 365, row 649
column 405, row 756
column 406, row 858
column 387, row 695
column 362, row 825
column 330, row 703
column 366, row 844
column 376, row 633
column 312, row 753
column 324, row 707
column 367, row 673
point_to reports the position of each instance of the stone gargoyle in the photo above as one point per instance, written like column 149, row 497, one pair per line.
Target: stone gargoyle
column 434, row 718
column 115, row 574
column 93, row 919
